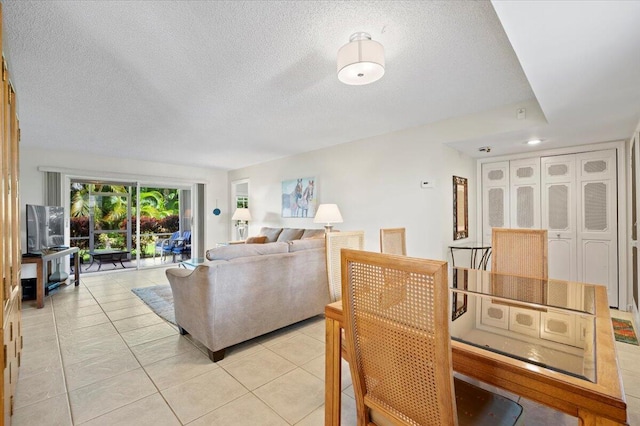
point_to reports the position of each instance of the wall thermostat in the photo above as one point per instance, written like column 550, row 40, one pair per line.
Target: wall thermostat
column 427, row 183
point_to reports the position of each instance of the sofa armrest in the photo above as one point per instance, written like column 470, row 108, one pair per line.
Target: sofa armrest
column 178, row 273
column 193, row 301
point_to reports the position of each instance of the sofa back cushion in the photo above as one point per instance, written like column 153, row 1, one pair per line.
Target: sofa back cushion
column 309, row 243
column 312, row 233
column 290, row 234
column 234, row 251
column 271, row 233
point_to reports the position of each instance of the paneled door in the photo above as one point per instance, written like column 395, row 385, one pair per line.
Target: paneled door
column 579, row 210
column 10, row 246
column 495, row 195
column 635, row 210
column 597, row 220
column 574, row 197
column 525, row 193
column 559, row 215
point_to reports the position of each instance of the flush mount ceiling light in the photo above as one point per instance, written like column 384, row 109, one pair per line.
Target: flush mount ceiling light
column 534, row 141
column 361, row 61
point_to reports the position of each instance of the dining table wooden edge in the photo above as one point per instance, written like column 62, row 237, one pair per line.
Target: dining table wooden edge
column 570, row 395
column 333, row 363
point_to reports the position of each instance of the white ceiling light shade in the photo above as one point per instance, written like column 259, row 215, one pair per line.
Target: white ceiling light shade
column 361, row 61
column 534, row 141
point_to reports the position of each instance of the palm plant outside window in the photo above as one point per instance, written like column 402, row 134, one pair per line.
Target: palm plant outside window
column 104, row 216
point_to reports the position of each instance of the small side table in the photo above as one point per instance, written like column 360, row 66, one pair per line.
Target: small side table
column 192, row 263
column 484, row 250
column 43, row 267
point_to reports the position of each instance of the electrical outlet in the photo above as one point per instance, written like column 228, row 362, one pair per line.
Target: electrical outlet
column 521, row 113
column 427, row 183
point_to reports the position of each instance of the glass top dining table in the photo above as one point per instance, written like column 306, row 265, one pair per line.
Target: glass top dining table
column 545, row 322
column 547, row 340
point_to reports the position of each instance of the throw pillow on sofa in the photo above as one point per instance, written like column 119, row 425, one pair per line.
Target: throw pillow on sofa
column 260, row 239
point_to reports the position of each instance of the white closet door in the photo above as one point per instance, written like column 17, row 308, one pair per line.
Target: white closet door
column 559, row 215
column 495, row 195
column 635, row 211
column 525, row 193
column 597, row 221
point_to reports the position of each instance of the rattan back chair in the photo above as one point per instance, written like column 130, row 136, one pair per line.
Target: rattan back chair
column 397, row 336
column 519, row 252
column 335, row 241
column 393, row 241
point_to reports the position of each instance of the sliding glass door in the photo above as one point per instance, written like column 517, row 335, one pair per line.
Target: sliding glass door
column 126, row 225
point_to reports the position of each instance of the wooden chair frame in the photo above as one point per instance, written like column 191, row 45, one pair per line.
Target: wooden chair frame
column 397, row 339
column 520, row 252
column 393, row 241
column 334, row 242
column 432, row 276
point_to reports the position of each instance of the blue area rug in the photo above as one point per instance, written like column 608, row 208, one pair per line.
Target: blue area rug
column 159, row 298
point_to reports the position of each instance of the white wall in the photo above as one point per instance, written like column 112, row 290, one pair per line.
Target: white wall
column 81, row 164
column 376, row 184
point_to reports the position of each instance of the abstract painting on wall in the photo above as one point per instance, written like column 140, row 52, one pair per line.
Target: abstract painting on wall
column 297, row 197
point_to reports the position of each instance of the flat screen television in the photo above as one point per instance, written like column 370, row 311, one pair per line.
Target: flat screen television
column 45, row 227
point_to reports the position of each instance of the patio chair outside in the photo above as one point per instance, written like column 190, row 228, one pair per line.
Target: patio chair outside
column 164, row 246
column 401, row 364
column 182, row 246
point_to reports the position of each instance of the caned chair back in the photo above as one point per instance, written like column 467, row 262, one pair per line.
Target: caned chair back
column 519, row 252
column 335, row 241
column 397, row 336
column 392, row 241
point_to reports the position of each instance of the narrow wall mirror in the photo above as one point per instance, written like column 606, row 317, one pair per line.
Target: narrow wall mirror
column 460, row 208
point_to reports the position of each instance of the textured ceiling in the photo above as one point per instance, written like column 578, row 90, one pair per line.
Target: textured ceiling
column 229, row 84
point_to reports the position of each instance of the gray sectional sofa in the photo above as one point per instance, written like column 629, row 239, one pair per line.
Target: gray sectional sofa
column 246, row 290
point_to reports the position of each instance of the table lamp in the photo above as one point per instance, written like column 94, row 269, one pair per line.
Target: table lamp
column 242, row 216
column 328, row 213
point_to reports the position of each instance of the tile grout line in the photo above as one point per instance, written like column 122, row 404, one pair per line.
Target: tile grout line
column 64, row 377
column 87, row 288
column 129, row 347
column 137, row 360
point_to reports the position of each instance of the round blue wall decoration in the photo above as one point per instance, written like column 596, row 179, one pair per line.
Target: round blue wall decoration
column 216, row 211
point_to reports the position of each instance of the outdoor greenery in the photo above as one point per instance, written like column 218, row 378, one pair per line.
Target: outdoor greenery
column 159, row 211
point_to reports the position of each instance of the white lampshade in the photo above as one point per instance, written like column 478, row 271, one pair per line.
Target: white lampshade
column 241, row 214
column 361, row 61
column 328, row 213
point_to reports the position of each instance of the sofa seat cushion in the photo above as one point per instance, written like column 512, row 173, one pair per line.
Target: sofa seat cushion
column 271, row 233
column 290, row 234
column 312, row 234
column 234, row 251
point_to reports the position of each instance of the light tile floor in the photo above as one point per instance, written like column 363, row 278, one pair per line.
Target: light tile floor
column 96, row 355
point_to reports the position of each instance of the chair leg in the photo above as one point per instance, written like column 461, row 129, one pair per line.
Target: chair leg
column 216, row 356
column 182, row 331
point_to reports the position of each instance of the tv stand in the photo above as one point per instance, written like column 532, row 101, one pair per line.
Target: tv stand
column 43, row 267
